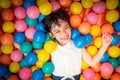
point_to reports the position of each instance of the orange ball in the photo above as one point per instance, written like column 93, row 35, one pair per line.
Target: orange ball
column 7, row 14
column 115, row 76
column 65, row 3
column 97, row 67
column 48, row 78
column 17, row 2
column 97, row 76
column 84, row 27
column 13, row 77
column 107, row 28
column 75, row 20
column 7, row 39
column 105, row 76
column 5, row 59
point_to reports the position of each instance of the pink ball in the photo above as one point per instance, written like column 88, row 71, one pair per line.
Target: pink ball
column 20, row 12
column 25, row 73
column 29, row 33
column 33, row 12
column 16, row 55
column 55, row 5
column 106, row 68
column 92, row 18
column 20, row 25
column 88, row 74
column 99, row 7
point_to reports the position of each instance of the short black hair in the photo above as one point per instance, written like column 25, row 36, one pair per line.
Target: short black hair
column 53, row 18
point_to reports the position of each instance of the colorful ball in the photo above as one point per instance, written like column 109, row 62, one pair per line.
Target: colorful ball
column 76, row 7
column 31, row 22
column 115, row 40
column 74, row 33
column 5, row 3
column 23, row 63
column 14, row 67
column 3, row 70
column 6, row 49
column 116, row 26
column 38, row 75
column 13, row 77
column 87, row 3
column 112, row 4
column 92, row 50
column 115, row 76
column 95, row 30
column 65, row 3
column 88, row 38
column 41, row 17
column 98, row 42
column 105, row 57
column 55, row 5
column 39, row 63
column 97, row 76
column 37, row 45
column 28, row 3
column 17, row 2
column 114, row 62
column 96, row 68
column 40, row 26
column 84, row 65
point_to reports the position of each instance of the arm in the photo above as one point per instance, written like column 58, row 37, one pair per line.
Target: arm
column 92, row 61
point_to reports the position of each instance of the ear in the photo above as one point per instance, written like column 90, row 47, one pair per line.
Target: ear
column 51, row 35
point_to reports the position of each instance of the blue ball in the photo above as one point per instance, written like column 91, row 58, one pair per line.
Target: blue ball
column 116, row 40
column 19, row 37
column 39, row 37
column 3, row 70
column 37, row 45
column 40, row 26
column 80, row 41
column 24, row 63
column 31, row 58
column 89, row 38
column 105, row 57
column 7, row 75
column 28, row 3
column 38, row 75
column 31, row 22
column 41, row 17
column 75, row 32
column 116, row 26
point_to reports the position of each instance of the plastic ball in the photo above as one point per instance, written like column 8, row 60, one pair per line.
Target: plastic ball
column 76, row 7
column 96, row 68
column 17, row 2
column 50, row 46
column 95, row 30
column 89, row 74
column 95, row 0
column 29, row 33
column 34, row 67
column 55, row 6
column 105, row 76
column 114, row 51
column 74, row 32
column 80, row 41
column 99, row 7
column 84, row 65
column 117, row 69
column 39, row 2
column 39, row 63
column 8, row 27
column 45, row 8
column 92, row 18
column 19, row 37
column 48, row 78
column 3, row 70
column 84, row 28
column 6, row 49
column 7, row 39
column 43, row 55
column 28, row 3
column 26, row 47
column 31, row 22
column 7, row 14
column 39, row 37
column 38, row 75
column 65, row 3
column 20, row 25
column 5, row 3
column 5, row 59
column 37, row 45
column 88, row 38
column 115, row 40
column 25, row 73
column 20, row 12
column 48, row 67
column 31, row 58
column 16, row 56
column 114, row 62
column 14, row 67
column 75, row 20
column 82, row 77
column 92, row 50
column 32, row 12
column 23, row 63
column 87, row 3
column 112, row 16
column 98, row 42
column 97, row 76
column 112, row 4
column 115, row 76
column 106, row 68
column 41, row 17
column 48, row 37
column 13, row 77
column 40, row 26
column 105, row 57
column 116, row 26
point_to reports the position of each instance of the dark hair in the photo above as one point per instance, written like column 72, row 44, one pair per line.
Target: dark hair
column 53, row 18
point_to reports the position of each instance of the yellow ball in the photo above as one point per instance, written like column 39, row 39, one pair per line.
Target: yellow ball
column 14, row 67
column 95, row 0
column 5, row 3
column 8, row 27
column 43, row 55
column 84, row 65
column 92, row 50
column 45, row 8
column 6, row 49
column 98, row 42
column 33, row 68
column 76, row 7
column 47, row 75
column 95, row 30
column 38, row 2
column 114, row 51
column 39, row 63
column 50, row 46
column 112, row 4
column 112, row 16
column 82, row 77
column 87, row 3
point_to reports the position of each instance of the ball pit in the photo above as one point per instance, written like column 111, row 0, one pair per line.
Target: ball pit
column 21, row 22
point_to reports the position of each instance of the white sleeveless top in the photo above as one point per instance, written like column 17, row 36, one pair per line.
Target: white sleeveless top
column 67, row 60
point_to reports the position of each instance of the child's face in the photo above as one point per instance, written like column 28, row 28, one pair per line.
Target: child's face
column 61, row 33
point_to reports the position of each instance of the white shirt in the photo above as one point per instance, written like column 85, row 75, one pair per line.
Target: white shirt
column 67, row 60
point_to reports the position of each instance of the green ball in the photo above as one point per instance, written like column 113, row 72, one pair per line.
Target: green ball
column 31, row 22
column 48, row 37
column 26, row 47
column 23, row 63
column 37, row 45
column 114, row 62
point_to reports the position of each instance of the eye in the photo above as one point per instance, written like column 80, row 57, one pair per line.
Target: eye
column 57, row 31
column 66, row 27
